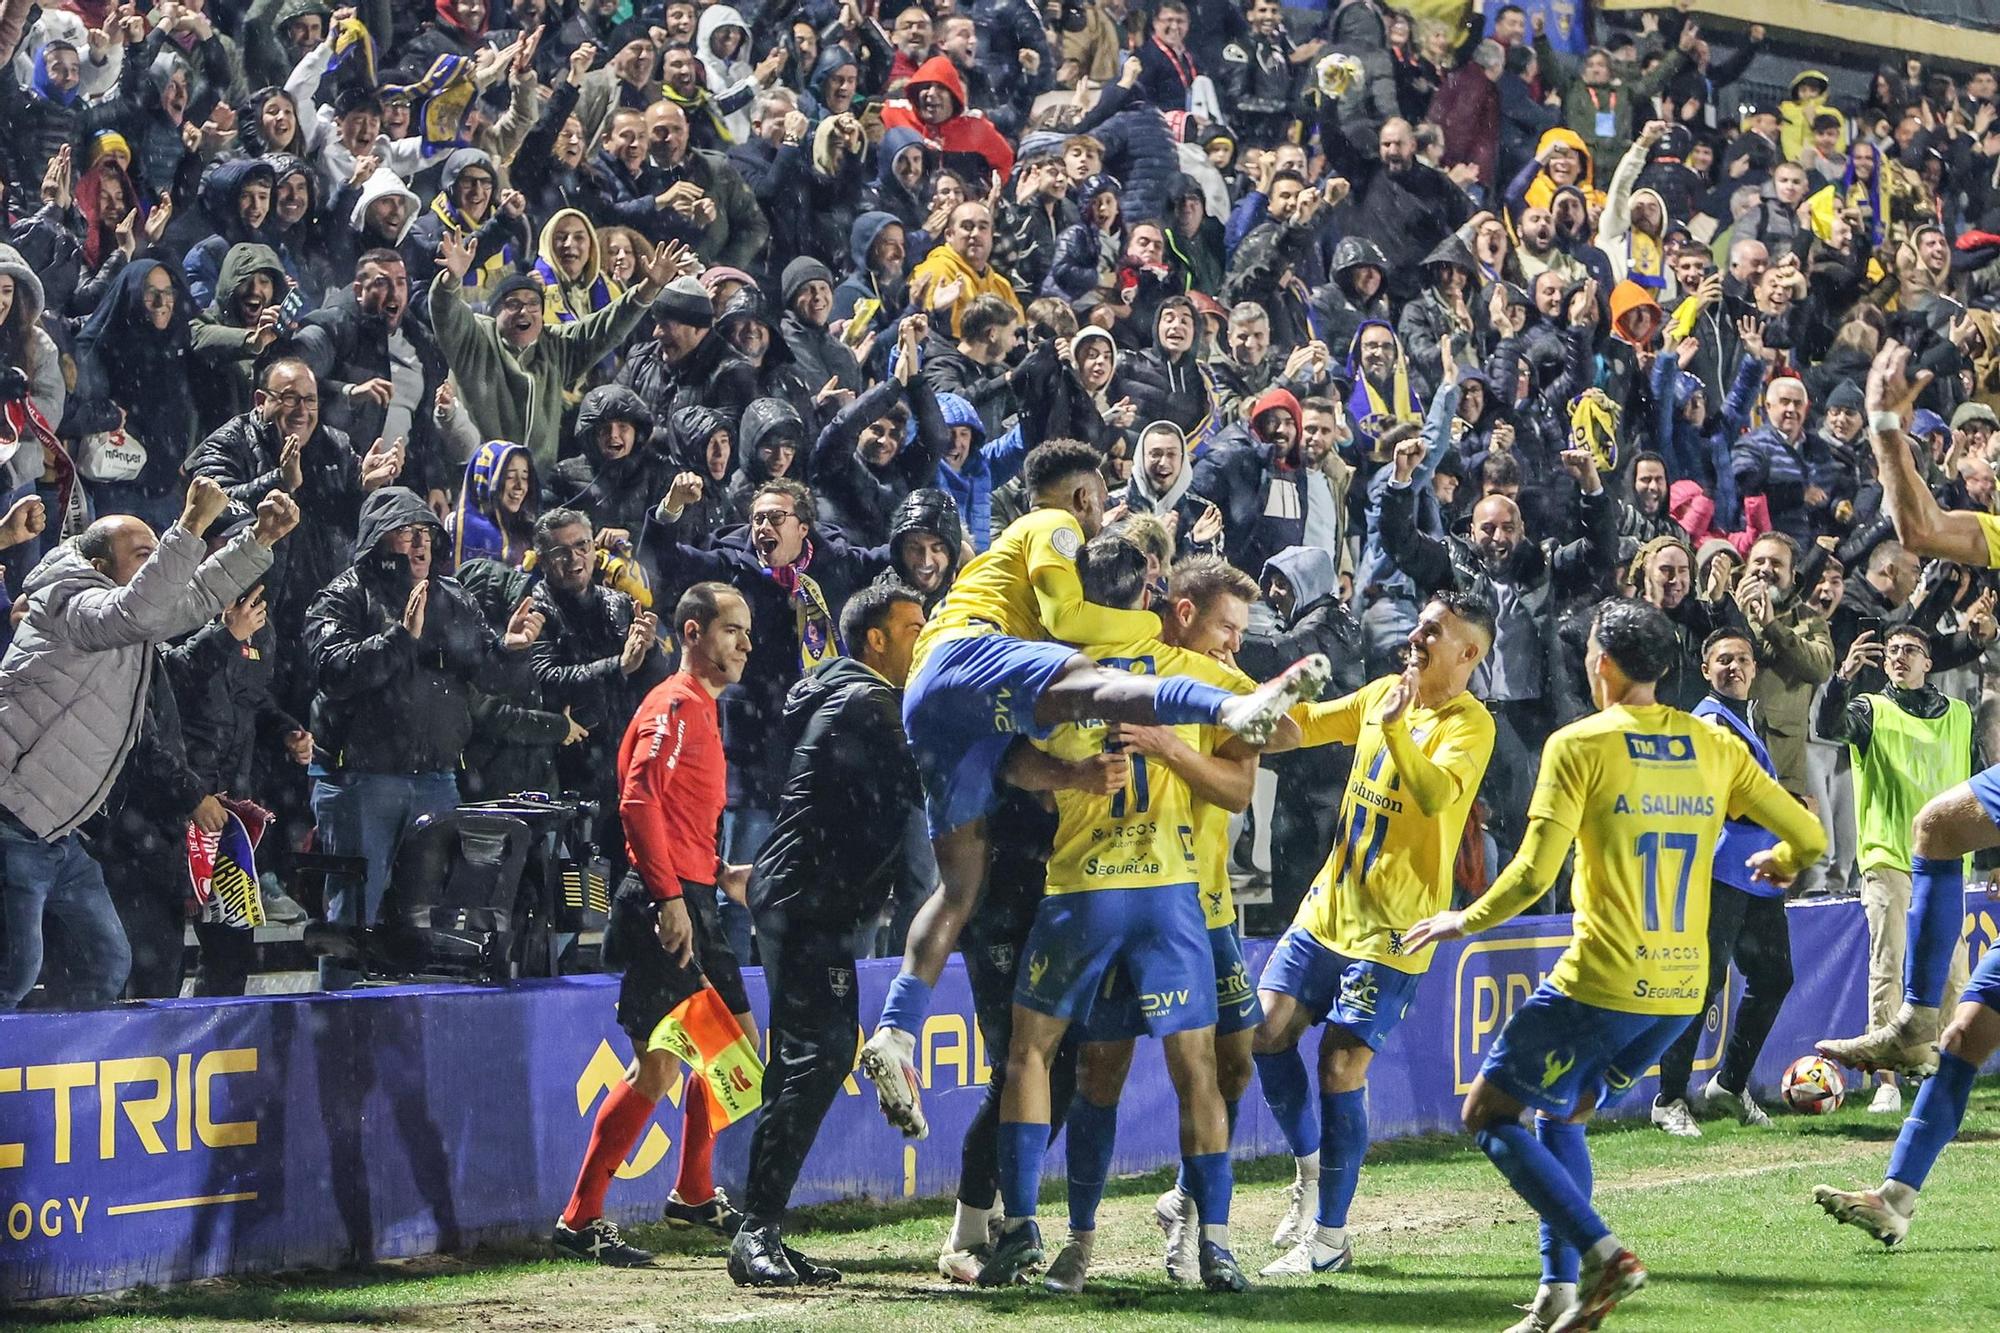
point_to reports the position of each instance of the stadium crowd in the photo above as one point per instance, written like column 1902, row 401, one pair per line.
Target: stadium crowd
column 542, row 314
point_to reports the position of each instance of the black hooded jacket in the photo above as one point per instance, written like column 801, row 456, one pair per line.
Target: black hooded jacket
column 852, row 494
column 926, row 510
column 390, row 701
column 849, row 776
column 613, row 493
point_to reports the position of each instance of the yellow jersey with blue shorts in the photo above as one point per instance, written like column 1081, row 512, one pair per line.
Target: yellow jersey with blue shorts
column 1122, row 919
column 1641, row 792
column 1412, row 785
column 999, row 638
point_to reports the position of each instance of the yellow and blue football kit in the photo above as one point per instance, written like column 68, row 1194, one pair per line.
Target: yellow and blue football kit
column 1000, row 637
column 1412, row 785
column 1122, row 922
column 1642, row 793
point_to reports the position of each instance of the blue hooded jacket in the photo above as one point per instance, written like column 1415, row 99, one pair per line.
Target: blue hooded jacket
column 987, row 466
column 476, row 527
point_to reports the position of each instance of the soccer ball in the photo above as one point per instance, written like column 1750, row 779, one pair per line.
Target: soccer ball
column 1813, row 1086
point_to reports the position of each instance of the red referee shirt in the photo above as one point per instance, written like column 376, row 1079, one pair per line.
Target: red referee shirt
column 672, row 786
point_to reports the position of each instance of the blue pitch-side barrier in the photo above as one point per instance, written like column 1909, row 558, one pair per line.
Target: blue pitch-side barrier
column 163, row 1142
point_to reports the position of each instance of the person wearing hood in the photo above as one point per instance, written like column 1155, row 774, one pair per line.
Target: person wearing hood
column 934, row 105
column 25, row 344
column 703, row 450
column 73, row 686
column 746, row 323
column 133, row 375
column 722, row 43
column 1387, row 390
column 236, row 201
column 471, row 210
column 1632, row 230
column 511, row 367
column 1276, row 261
column 239, row 325
column 820, row 881
column 1806, row 103
column 971, row 466
column 1356, row 290
column 881, row 446
column 1168, row 381
column 155, row 89
column 926, row 544
column 47, row 115
column 1443, row 310
column 1269, row 494
column 876, row 286
column 619, row 474
column 571, row 270
column 397, row 647
column 903, row 162
column 772, row 439
column 284, row 442
column 1162, row 484
column 1562, row 161
column 497, row 506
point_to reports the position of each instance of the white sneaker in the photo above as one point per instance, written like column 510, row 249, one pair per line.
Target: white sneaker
column 1720, row 1100
column 1906, row 1044
column 1301, row 1205
column 1254, row 716
column 1864, row 1209
column 1888, row 1100
column 1066, row 1275
column 1303, row 1260
column 1541, row 1314
column 889, row 1061
column 1180, row 1220
column 1676, row 1119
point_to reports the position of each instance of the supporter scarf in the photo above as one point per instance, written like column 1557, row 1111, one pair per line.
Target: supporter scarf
column 565, row 297
column 700, row 104
column 485, row 268
column 1372, row 413
column 22, row 423
column 1645, row 261
column 353, row 49
column 222, row 867
column 818, row 640
column 441, row 98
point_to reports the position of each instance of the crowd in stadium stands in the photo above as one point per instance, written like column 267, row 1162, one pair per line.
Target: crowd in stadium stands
column 541, row 313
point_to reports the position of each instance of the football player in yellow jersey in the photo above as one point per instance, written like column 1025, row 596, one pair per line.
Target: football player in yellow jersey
column 1206, row 612
column 1121, row 908
column 1421, row 747
column 1962, row 820
column 1641, row 791
column 994, row 662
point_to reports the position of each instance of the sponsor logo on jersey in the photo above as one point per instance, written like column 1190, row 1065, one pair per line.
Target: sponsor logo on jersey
column 1645, row 749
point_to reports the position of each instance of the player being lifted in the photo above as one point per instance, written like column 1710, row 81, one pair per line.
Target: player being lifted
column 1960, row 821
column 1122, row 906
column 995, row 662
column 1420, row 749
column 1206, row 611
column 1641, row 791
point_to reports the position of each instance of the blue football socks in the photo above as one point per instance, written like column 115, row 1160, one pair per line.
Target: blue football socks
column 1342, row 1146
column 1937, row 906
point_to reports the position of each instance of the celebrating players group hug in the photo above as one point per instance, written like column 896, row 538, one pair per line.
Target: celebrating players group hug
column 1080, row 737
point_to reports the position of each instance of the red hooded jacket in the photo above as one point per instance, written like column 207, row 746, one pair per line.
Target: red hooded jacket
column 967, row 133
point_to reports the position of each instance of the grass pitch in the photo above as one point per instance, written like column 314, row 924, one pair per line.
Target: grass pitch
column 1725, row 1224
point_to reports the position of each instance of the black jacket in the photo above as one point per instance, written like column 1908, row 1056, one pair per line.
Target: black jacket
column 856, row 497
column 849, row 781
column 712, row 375
column 223, row 688
column 344, row 347
column 576, row 664
column 390, row 701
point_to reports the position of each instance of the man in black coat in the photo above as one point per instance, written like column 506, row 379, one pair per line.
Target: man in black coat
column 687, row 364
column 397, row 648
column 1404, row 206
column 816, row 890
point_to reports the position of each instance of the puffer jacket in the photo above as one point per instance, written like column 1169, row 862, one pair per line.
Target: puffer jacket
column 73, row 683
column 390, row 701
column 925, row 510
column 989, row 465
column 613, row 493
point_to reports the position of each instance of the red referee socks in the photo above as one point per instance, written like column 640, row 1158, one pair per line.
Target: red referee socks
column 620, row 1120
column 697, row 1181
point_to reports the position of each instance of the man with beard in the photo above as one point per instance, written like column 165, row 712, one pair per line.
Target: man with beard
column 1259, row 481
column 1271, row 266
column 1388, row 391
column 1524, row 679
column 874, row 288
column 597, row 657
column 1794, row 651
column 1162, row 485
column 237, row 328
column 1536, row 248
column 935, row 105
column 1645, row 515
column 1168, row 381
column 380, row 369
column 397, row 648
column 1401, row 204
column 1663, row 576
